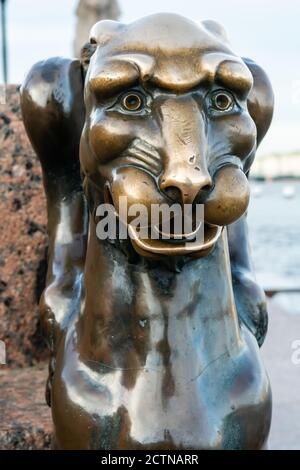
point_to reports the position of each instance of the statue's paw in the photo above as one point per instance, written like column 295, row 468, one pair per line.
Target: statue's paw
column 56, row 307
column 48, row 390
column 251, row 304
column 48, row 322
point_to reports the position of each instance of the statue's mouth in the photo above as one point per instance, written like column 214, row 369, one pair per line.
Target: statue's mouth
column 141, row 208
column 157, row 239
column 183, row 245
column 176, row 237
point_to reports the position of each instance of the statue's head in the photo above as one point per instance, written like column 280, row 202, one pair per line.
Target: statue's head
column 172, row 116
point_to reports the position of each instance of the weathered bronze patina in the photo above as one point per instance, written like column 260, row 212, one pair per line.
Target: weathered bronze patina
column 154, row 343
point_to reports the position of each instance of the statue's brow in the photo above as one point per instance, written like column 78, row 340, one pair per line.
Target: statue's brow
column 235, row 76
column 122, row 74
column 114, row 79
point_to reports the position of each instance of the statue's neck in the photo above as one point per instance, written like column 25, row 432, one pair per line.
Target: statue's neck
column 124, row 299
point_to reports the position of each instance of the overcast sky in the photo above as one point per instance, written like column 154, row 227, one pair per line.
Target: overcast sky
column 265, row 30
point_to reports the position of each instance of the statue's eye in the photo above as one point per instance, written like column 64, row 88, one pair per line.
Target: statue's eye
column 222, row 101
column 132, row 101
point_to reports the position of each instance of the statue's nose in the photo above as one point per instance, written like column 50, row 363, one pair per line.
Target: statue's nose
column 184, row 149
column 186, row 185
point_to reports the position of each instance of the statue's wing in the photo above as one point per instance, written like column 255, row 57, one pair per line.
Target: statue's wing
column 249, row 296
column 53, row 112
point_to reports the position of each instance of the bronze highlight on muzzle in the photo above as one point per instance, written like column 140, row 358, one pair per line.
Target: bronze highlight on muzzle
column 224, row 202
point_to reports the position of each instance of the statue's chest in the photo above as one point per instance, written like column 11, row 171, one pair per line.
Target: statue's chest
column 180, row 398
column 171, row 368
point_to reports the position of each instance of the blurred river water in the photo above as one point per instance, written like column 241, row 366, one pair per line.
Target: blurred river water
column 274, row 228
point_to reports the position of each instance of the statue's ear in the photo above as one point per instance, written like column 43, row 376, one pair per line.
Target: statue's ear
column 103, row 31
column 100, row 34
column 215, row 28
column 260, row 100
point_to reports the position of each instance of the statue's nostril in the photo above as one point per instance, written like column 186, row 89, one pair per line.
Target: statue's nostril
column 203, row 194
column 206, row 187
column 173, row 193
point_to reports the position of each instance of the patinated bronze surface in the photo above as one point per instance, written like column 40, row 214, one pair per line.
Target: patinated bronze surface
column 154, row 344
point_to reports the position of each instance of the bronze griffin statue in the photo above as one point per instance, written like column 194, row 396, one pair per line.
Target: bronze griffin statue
column 154, row 343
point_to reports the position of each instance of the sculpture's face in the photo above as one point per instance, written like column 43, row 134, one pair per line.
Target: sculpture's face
column 167, row 121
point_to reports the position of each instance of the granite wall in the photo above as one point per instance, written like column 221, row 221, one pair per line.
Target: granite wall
column 23, row 239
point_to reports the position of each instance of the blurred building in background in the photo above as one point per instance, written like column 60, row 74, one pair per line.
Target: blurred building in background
column 277, row 166
column 88, row 13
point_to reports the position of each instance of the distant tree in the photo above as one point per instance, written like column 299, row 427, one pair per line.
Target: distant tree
column 88, row 13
